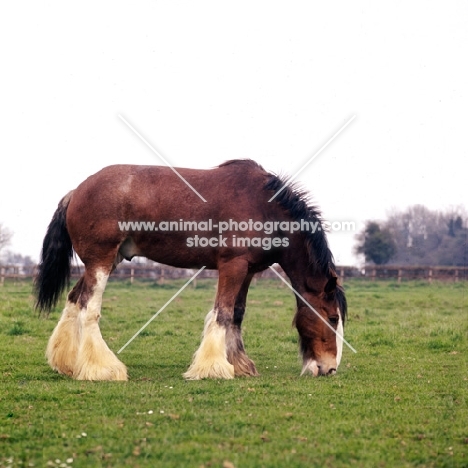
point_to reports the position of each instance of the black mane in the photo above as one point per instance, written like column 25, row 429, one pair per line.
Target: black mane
column 296, row 201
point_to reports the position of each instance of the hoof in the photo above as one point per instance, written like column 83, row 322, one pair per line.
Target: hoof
column 117, row 372
column 244, row 367
column 97, row 362
column 214, row 370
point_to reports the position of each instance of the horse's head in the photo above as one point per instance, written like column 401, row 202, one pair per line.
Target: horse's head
column 319, row 330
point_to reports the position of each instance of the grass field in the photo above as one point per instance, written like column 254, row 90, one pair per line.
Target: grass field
column 401, row 401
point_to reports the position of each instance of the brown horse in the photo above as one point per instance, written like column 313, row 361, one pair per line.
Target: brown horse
column 127, row 210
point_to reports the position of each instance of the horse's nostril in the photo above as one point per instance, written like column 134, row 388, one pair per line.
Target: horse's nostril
column 332, row 371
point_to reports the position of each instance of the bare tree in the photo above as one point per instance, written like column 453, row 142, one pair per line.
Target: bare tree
column 429, row 237
column 5, row 237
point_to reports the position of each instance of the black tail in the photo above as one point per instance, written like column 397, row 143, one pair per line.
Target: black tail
column 53, row 274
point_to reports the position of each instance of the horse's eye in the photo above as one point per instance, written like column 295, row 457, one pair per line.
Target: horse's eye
column 334, row 320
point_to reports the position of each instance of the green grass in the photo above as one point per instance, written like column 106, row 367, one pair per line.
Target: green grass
column 401, row 401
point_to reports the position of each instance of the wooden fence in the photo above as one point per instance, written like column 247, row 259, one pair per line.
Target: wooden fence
column 160, row 273
column 399, row 273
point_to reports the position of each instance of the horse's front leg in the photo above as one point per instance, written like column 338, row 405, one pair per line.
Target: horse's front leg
column 236, row 355
column 211, row 358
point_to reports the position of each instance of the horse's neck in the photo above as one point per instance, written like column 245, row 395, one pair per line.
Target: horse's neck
column 294, row 263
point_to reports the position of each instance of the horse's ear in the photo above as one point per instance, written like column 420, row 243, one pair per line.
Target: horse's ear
column 330, row 287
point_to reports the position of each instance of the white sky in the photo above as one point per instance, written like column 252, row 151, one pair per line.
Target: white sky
column 208, row 81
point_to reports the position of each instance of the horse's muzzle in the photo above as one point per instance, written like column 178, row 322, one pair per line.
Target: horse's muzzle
column 318, row 368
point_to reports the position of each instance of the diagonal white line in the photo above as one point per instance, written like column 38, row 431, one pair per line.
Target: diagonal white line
column 313, row 157
column 161, row 309
column 158, row 154
column 312, row 309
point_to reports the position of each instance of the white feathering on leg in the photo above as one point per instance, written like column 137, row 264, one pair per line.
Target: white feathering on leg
column 210, row 360
column 95, row 360
column 64, row 342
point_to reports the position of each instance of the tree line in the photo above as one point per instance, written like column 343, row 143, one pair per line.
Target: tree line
column 416, row 236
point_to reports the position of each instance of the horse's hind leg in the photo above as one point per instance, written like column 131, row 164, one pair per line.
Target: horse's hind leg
column 236, row 355
column 76, row 347
column 95, row 361
column 62, row 349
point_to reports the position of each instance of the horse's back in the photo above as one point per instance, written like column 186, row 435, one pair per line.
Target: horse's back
column 127, row 190
column 119, row 194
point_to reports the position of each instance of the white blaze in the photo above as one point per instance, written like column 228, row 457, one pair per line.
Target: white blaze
column 339, row 340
